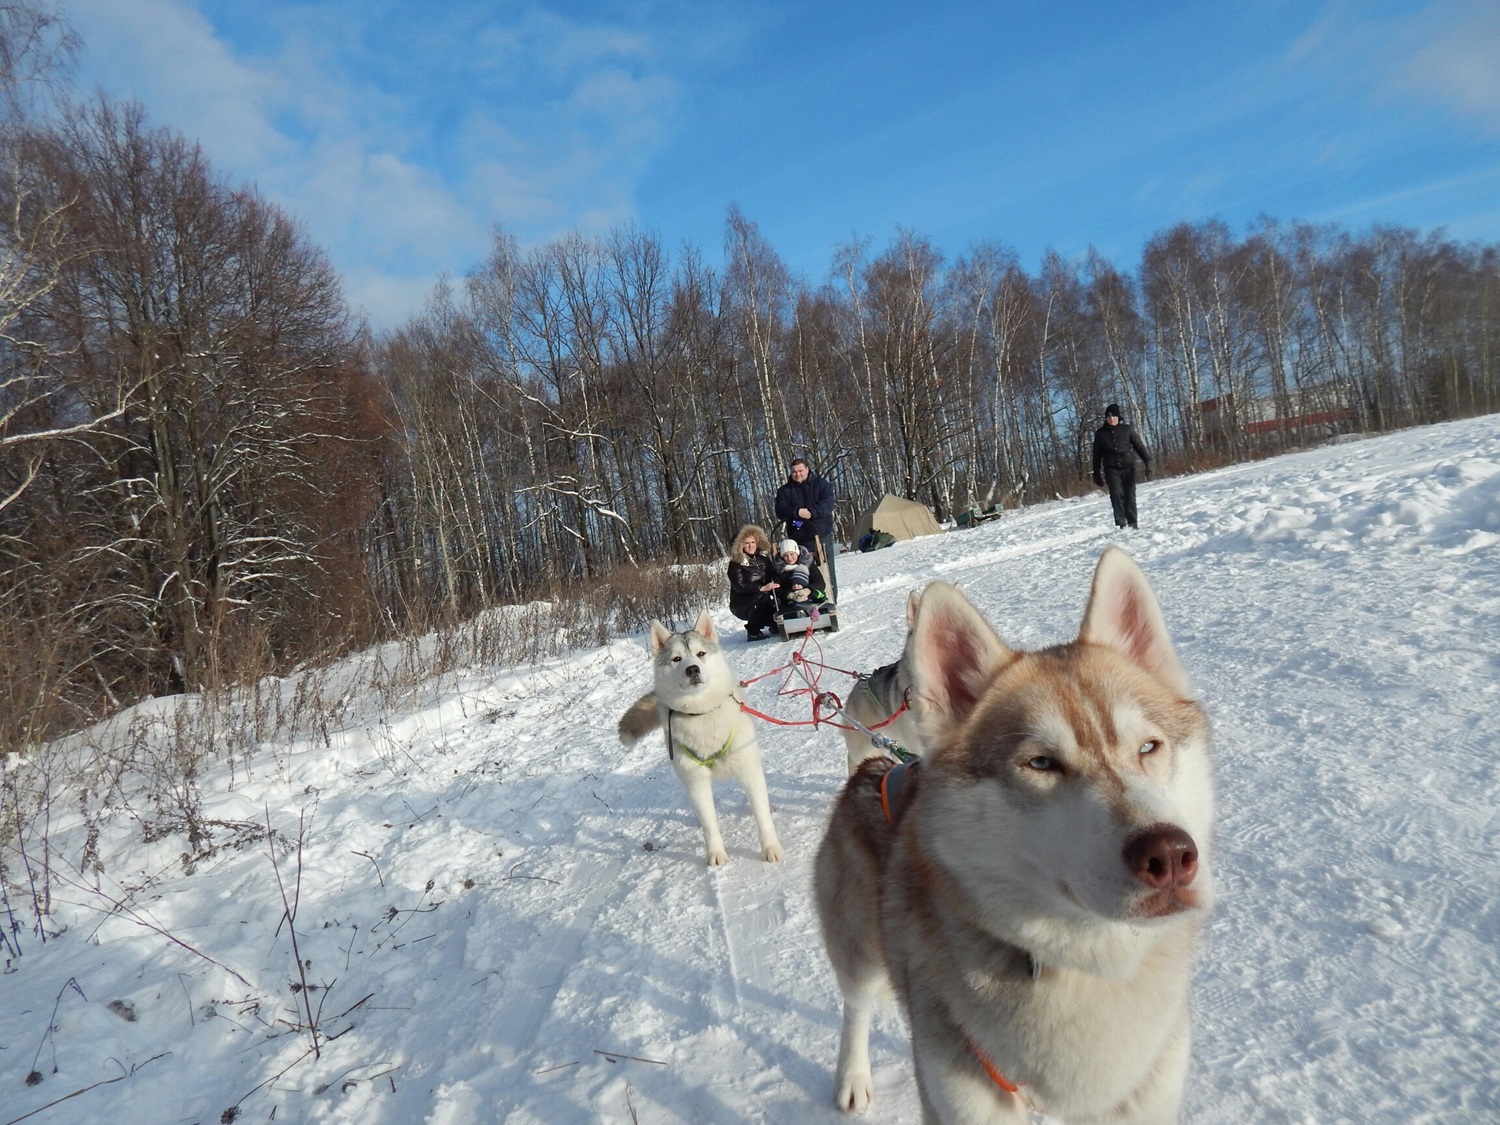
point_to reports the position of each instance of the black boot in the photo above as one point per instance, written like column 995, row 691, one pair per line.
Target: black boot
column 754, row 634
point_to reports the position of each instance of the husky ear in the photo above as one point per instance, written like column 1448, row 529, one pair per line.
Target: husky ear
column 955, row 654
column 660, row 634
column 1123, row 614
column 913, row 601
column 705, row 626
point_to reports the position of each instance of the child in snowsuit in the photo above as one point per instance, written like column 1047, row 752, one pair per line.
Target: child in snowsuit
column 794, row 573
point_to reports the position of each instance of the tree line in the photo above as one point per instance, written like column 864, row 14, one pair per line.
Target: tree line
column 209, row 468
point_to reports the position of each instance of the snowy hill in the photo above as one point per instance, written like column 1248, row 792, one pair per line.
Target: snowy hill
column 503, row 916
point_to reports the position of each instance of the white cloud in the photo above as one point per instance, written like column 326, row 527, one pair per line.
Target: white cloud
column 1480, row 184
column 401, row 137
column 384, row 300
column 165, row 54
column 1445, row 53
column 1459, row 64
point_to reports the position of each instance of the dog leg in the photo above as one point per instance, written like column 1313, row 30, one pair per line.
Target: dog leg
column 699, row 783
column 754, row 780
column 853, row 1084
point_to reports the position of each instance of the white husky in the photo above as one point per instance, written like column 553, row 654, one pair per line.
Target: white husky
column 1034, row 888
column 709, row 737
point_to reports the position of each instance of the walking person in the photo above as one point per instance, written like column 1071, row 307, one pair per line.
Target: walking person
column 1115, row 449
column 805, row 505
column 752, row 578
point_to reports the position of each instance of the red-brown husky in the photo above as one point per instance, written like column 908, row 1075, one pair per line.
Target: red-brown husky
column 1035, row 887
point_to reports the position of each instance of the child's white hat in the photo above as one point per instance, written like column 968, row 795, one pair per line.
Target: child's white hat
column 789, row 545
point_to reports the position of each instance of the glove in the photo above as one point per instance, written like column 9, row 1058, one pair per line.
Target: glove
column 1099, row 480
column 1148, row 472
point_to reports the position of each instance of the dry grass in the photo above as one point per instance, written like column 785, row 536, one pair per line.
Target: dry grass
column 146, row 765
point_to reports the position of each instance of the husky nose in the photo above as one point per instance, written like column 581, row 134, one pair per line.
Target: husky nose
column 1162, row 856
column 692, row 672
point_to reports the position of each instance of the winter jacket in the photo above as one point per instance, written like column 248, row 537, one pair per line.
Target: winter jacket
column 1113, row 446
column 748, row 573
column 816, row 495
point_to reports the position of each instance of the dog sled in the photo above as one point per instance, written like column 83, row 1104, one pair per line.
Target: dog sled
column 794, row 618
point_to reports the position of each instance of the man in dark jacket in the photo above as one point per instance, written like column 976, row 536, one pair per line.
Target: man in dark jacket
column 1115, row 450
column 805, row 504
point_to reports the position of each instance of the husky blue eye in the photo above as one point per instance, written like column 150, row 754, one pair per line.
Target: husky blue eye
column 1042, row 764
column 1150, row 747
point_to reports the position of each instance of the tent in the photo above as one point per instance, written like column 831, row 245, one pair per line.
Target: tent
column 905, row 519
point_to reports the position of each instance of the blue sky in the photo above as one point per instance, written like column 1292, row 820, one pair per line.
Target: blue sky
column 402, row 133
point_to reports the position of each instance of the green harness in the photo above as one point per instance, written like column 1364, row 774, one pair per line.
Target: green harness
column 708, row 761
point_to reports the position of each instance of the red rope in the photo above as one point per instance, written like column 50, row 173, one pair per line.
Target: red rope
column 799, row 663
column 745, row 707
column 831, row 668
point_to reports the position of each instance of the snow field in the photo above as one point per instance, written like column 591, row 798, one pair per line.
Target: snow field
column 504, row 915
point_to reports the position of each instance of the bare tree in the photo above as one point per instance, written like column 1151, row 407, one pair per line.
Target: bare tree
column 759, row 302
column 199, row 500
column 36, row 54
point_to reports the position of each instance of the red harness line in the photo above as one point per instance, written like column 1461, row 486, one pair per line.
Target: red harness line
column 800, row 664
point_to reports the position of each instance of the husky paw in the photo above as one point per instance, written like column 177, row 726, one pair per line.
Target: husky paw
column 718, row 857
column 772, row 853
column 855, row 1092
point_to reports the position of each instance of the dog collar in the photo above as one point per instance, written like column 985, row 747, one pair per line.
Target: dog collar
column 868, row 683
column 989, row 1068
column 892, row 782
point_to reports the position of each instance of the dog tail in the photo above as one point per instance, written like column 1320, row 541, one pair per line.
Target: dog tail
column 640, row 720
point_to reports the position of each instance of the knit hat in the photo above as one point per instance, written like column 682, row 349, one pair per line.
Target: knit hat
column 789, row 545
column 1113, row 409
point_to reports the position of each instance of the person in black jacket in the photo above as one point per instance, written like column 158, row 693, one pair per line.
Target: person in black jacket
column 1115, row 450
column 751, row 580
column 805, row 504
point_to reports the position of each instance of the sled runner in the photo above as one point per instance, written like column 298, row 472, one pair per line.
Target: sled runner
column 794, row 619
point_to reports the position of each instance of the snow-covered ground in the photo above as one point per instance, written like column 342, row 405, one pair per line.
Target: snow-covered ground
column 504, row 915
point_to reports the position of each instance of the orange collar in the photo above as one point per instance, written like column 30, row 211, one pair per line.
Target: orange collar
column 891, row 784
column 989, row 1068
